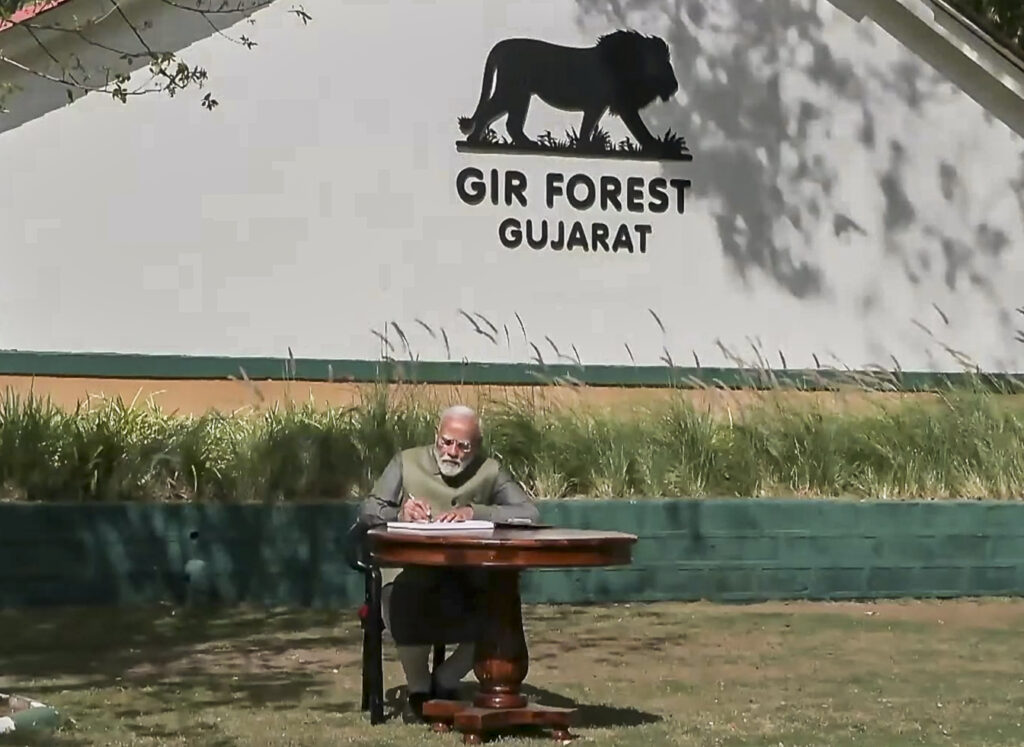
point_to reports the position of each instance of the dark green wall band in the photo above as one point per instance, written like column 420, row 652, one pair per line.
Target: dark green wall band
column 134, row 366
column 722, row 550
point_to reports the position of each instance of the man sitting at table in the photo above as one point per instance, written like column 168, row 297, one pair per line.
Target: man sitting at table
column 450, row 480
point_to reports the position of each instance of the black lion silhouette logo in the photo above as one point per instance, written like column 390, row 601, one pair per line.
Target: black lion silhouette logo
column 624, row 72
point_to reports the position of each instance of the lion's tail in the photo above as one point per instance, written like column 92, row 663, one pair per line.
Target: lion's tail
column 468, row 124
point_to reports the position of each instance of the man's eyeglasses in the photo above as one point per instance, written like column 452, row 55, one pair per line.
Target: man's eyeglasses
column 449, row 442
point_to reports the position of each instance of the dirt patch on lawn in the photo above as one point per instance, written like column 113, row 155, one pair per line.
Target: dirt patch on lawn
column 965, row 613
column 988, row 612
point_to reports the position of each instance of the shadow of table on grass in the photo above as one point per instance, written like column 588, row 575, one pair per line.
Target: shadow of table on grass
column 588, row 716
column 591, row 716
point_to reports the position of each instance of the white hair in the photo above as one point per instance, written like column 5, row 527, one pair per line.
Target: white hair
column 462, row 411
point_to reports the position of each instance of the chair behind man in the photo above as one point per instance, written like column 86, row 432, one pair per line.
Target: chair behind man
column 358, row 558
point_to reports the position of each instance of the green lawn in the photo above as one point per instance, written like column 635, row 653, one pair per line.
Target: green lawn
column 892, row 673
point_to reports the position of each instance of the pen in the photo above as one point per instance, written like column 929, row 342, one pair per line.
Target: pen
column 430, row 510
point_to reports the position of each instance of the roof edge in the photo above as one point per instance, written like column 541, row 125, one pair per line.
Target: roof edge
column 979, row 28
column 974, row 49
column 29, row 11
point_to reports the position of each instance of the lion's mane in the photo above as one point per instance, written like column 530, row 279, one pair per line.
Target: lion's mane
column 625, row 54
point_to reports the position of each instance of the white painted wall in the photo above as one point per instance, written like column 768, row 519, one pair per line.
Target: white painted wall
column 853, row 183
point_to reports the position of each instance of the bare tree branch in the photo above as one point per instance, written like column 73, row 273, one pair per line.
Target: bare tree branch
column 241, row 7
column 171, row 71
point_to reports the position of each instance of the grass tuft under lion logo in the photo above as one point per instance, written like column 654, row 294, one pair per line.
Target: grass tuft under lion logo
column 623, row 73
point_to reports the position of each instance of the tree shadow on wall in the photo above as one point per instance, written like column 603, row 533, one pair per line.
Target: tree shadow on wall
column 757, row 79
column 732, row 118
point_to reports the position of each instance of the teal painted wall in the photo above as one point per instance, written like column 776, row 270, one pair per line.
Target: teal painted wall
column 723, row 550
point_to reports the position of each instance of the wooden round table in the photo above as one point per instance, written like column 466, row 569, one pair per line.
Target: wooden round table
column 500, row 656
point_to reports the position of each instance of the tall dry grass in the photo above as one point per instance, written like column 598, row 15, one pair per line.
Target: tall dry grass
column 962, row 443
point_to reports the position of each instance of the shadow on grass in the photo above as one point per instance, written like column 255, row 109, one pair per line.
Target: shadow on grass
column 590, row 716
column 165, row 650
column 113, row 629
column 46, row 739
column 174, row 659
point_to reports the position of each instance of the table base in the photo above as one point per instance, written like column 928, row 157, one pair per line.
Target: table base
column 474, row 722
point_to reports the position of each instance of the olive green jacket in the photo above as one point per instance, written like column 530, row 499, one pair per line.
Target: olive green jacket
column 484, row 485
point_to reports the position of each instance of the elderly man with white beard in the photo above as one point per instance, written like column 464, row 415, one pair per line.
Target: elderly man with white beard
column 448, row 481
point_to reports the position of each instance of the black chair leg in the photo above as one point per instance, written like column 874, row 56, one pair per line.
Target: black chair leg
column 367, row 652
column 372, row 697
column 364, row 703
column 374, row 666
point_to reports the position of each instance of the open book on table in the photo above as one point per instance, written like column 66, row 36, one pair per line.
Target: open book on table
column 442, row 526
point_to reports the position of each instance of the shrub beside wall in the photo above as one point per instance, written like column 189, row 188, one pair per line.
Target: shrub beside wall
column 967, row 443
